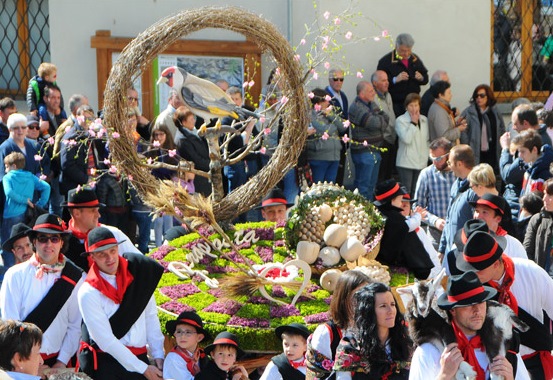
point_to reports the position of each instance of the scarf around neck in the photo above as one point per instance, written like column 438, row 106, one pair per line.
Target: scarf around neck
column 123, row 278
column 467, row 348
column 192, row 361
column 47, row 268
column 507, row 297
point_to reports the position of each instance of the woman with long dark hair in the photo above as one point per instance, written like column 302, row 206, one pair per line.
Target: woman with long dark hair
column 378, row 345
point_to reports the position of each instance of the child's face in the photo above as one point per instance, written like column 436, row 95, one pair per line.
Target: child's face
column 224, row 357
column 294, row 346
column 52, row 77
column 187, row 337
column 406, row 208
column 397, row 201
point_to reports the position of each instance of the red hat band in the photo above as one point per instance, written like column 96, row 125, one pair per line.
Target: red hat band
column 465, row 295
column 387, row 193
column 102, row 243
column 48, row 225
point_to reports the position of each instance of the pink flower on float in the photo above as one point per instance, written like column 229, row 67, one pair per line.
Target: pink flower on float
column 80, row 119
column 327, row 65
column 315, row 75
column 172, row 152
column 359, row 74
column 101, row 132
column 385, row 33
column 317, row 107
column 349, row 35
column 107, row 161
column 326, row 39
column 262, row 150
column 329, row 108
column 72, row 142
column 112, row 169
column 92, row 184
column 91, row 133
column 38, row 157
column 266, row 131
column 245, row 84
column 156, row 144
column 51, row 140
column 337, row 21
column 98, row 121
column 325, row 136
column 326, row 15
column 302, row 42
column 328, row 98
column 297, row 57
column 149, row 160
column 376, row 38
column 346, row 123
column 345, row 139
column 67, row 128
column 178, row 212
column 277, row 71
column 43, row 177
column 251, row 83
column 262, row 119
column 365, row 143
column 115, row 135
column 311, row 95
column 93, row 171
column 130, row 177
column 284, row 99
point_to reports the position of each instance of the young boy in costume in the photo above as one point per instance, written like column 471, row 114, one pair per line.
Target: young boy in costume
column 224, row 352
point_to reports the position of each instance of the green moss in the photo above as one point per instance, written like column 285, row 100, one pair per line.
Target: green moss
column 275, row 322
column 214, row 317
column 177, row 255
column 279, row 258
column 254, row 311
column 320, row 294
column 203, row 287
column 400, row 279
column 198, row 301
column 312, row 307
column 169, row 279
column 181, row 241
column 279, row 233
column 160, row 298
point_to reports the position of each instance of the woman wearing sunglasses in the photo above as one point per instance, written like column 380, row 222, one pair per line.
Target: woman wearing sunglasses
column 484, row 127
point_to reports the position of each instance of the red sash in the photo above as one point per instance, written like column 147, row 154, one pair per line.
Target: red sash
column 192, row 362
column 135, row 350
column 467, row 350
column 546, row 361
column 506, row 297
column 123, row 276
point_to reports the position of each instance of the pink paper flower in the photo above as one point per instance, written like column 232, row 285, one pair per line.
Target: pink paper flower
column 113, row 169
column 325, row 136
column 92, row 171
column 302, row 42
column 101, row 132
column 38, row 157
column 284, row 99
column 376, row 38
column 107, row 161
column 359, row 74
column 149, row 160
column 327, row 65
column 297, row 57
column 262, row 150
column 67, row 128
column 156, row 144
column 328, row 98
column 346, row 123
column 266, row 131
column 311, row 95
column 178, row 212
column 315, row 75
column 262, row 119
column 80, row 119
column 98, row 121
column 172, row 152
column 365, row 143
column 317, row 107
column 277, row 71
column 349, row 35
column 92, row 184
column 91, row 133
column 326, row 15
column 337, row 21
column 245, row 84
column 385, row 33
column 130, row 177
column 115, row 135
column 72, row 142
column 51, row 140
column 345, row 139
column 329, row 108
column 251, row 83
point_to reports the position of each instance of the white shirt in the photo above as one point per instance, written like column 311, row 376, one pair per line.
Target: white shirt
column 271, row 371
column 514, row 248
column 127, row 245
column 425, row 363
column 174, row 367
column 21, row 292
column 96, row 310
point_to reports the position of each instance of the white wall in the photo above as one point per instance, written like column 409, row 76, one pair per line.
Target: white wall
column 446, row 36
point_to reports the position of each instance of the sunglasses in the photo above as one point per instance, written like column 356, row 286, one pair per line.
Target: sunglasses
column 44, row 239
column 338, row 79
column 438, row 159
column 37, row 127
column 481, row 96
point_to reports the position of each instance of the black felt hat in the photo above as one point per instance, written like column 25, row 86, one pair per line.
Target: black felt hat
column 187, row 318
column 225, row 338
column 82, row 197
column 18, row 231
column 471, row 226
column 48, row 224
column 465, row 290
column 294, row 328
column 387, row 190
column 481, row 251
column 99, row 239
column 494, row 202
column 275, row 197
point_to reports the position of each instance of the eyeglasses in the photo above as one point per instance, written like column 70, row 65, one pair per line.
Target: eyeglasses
column 438, row 159
column 37, row 127
column 132, row 99
column 338, row 79
column 44, row 239
column 185, row 333
column 481, row 96
column 17, row 127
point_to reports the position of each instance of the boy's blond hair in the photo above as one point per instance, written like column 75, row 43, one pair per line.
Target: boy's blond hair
column 15, row 158
column 46, row 69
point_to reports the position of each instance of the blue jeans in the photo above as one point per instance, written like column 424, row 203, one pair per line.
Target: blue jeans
column 144, row 223
column 290, row 182
column 161, row 225
column 324, row 170
column 236, row 175
column 56, row 199
column 366, row 172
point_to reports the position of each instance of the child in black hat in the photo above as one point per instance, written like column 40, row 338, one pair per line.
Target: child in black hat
column 289, row 365
column 186, row 359
column 224, row 351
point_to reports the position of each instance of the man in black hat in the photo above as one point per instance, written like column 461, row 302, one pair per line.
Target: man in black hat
column 43, row 290
column 19, row 243
column 465, row 301
column 84, row 208
column 119, row 312
column 523, row 286
column 274, row 205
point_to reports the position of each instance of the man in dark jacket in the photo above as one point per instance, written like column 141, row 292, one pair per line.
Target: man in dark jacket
column 406, row 72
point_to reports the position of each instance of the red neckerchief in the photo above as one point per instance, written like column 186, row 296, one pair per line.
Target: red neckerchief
column 191, row 361
column 467, row 348
column 297, row 365
column 78, row 234
column 46, row 268
column 506, row 297
column 500, row 231
column 123, row 276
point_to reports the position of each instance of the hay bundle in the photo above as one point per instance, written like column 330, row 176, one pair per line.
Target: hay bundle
column 143, row 49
